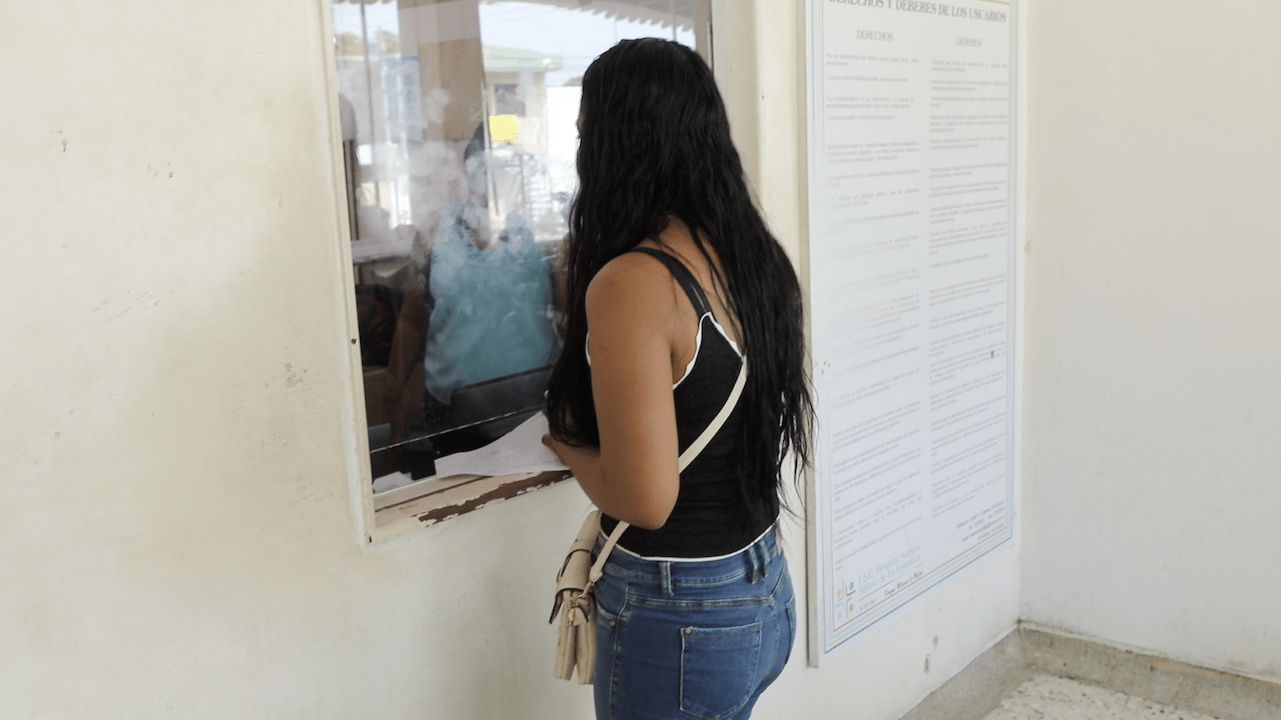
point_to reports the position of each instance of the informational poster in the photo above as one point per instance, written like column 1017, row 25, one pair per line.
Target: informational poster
column 911, row 274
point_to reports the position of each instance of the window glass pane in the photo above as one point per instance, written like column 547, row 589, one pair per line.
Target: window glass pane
column 459, row 139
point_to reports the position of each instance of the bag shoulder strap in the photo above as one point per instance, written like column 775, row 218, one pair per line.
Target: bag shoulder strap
column 686, row 458
column 714, row 426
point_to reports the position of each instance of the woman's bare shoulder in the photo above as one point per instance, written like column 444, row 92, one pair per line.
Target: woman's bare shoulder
column 631, row 282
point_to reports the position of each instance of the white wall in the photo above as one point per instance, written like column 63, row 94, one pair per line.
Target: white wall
column 179, row 430
column 1153, row 404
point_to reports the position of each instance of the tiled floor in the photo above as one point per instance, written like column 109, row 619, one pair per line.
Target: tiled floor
column 1043, row 697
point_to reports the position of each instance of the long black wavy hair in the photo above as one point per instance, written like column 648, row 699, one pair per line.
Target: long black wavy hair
column 654, row 143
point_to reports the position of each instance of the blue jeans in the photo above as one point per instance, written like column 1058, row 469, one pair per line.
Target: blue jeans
column 691, row 639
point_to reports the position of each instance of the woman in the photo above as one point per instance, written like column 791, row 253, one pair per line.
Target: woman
column 673, row 281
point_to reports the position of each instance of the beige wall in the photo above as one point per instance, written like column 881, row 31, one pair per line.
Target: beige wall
column 180, row 433
column 1153, row 406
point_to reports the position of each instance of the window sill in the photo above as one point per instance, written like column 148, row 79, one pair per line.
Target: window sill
column 428, row 501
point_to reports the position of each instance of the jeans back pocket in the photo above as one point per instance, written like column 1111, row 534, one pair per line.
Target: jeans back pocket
column 718, row 669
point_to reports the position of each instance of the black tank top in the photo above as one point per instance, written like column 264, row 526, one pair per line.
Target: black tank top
column 715, row 514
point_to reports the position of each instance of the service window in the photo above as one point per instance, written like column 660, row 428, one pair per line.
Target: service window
column 459, row 139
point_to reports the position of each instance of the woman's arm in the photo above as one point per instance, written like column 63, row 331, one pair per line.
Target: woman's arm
column 633, row 318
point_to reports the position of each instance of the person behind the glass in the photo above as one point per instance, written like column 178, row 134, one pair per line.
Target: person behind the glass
column 490, row 294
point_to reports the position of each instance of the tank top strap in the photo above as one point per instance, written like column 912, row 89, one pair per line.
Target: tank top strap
column 683, row 276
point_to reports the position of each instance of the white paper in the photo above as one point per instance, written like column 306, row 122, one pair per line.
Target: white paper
column 391, row 482
column 911, row 281
column 519, row 451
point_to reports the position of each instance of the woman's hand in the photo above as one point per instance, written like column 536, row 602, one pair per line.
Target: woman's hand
column 581, row 460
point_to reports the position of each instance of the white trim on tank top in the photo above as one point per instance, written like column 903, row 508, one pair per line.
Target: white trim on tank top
column 698, row 345
column 658, row 558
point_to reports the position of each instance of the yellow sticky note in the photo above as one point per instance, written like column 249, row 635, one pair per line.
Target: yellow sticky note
column 504, row 128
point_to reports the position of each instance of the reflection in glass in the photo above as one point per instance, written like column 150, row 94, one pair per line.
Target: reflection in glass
column 459, row 139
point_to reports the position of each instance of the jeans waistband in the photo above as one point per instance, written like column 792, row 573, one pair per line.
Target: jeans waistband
column 754, row 559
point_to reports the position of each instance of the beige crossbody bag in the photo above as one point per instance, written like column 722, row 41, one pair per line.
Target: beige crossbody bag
column 576, row 641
